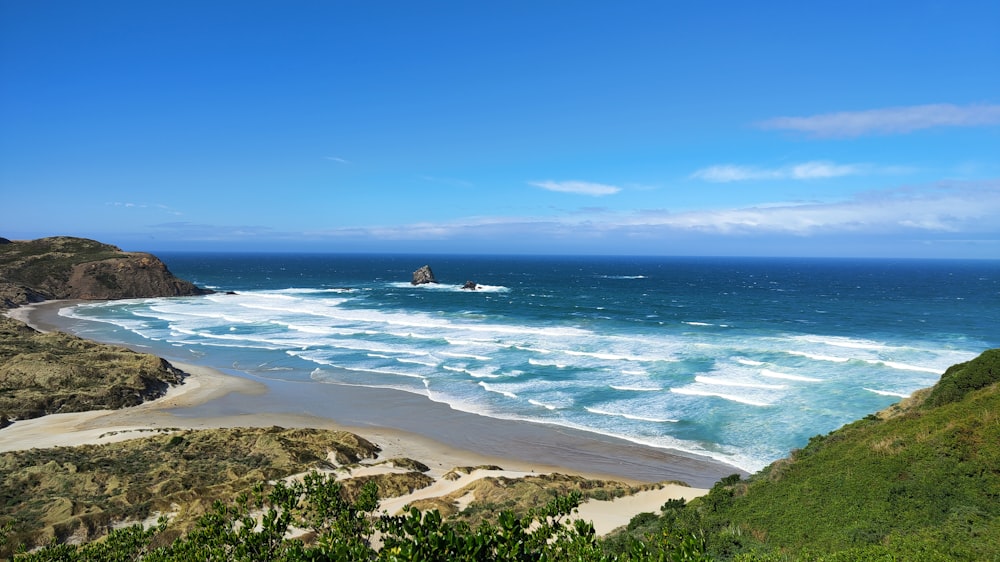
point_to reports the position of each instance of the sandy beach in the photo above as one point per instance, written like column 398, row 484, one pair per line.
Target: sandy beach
column 402, row 424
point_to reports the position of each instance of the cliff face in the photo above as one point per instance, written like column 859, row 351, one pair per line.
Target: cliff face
column 64, row 267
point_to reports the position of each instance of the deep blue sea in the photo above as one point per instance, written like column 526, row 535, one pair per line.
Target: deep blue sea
column 738, row 359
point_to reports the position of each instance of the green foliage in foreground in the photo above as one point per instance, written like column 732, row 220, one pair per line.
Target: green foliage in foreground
column 257, row 526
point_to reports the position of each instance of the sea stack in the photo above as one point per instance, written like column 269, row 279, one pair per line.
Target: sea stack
column 423, row 276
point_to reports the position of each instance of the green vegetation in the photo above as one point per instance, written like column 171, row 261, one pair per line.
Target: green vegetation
column 521, row 495
column 63, row 267
column 78, row 492
column 961, row 379
column 57, row 373
column 922, row 484
column 47, row 262
column 918, row 481
column 257, row 525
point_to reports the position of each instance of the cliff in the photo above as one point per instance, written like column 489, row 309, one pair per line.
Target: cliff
column 64, row 267
column 43, row 374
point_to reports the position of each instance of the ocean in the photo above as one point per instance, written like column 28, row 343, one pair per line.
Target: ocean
column 738, row 359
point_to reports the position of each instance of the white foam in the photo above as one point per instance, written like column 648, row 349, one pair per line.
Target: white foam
column 741, row 384
column 838, row 341
column 730, row 397
column 538, row 363
column 697, row 323
column 629, row 416
column 483, row 374
column 450, row 288
column 748, row 362
column 887, row 393
column 903, row 366
column 417, row 362
column 604, row 356
column 491, row 388
column 817, row 357
column 776, row 375
column 541, row 404
column 465, row 355
column 635, row 388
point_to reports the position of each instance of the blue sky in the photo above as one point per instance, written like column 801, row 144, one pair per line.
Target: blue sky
column 697, row 128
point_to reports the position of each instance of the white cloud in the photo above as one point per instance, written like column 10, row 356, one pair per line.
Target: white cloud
column 131, row 205
column 817, row 169
column 947, row 208
column 937, row 208
column 337, row 159
column 578, row 187
column 892, row 120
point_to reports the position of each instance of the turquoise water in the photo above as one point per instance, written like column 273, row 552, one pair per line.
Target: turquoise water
column 738, row 359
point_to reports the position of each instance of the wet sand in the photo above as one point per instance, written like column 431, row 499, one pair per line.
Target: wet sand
column 396, row 420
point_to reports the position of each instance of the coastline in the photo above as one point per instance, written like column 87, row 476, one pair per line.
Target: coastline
column 403, row 424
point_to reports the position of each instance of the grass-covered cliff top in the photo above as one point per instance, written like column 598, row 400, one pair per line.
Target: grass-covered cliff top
column 64, row 267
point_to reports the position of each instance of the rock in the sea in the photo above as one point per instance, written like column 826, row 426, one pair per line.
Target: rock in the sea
column 470, row 285
column 423, row 275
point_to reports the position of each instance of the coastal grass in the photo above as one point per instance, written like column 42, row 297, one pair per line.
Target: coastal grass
column 47, row 262
column 47, row 373
column 65, row 493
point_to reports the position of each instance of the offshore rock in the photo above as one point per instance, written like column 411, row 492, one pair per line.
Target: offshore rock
column 423, row 276
column 470, row 285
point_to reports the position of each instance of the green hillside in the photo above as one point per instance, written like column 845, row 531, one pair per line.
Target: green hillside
column 919, row 481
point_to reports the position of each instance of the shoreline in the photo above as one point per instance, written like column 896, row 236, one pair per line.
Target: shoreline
column 403, row 424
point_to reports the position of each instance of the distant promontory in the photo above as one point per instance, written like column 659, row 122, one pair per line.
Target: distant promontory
column 64, row 267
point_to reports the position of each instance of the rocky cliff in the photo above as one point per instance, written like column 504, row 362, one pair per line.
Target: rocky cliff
column 64, row 267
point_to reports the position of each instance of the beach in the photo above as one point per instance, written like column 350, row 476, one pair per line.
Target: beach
column 402, row 424
column 399, row 422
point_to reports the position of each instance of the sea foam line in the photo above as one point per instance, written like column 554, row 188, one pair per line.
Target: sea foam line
column 629, row 416
column 491, row 388
column 635, row 388
column 465, row 355
column 730, row 397
column 886, row 392
column 849, row 343
column 541, row 404
column 776, row 375
column 902, row 366
column 726, row 382
column 817, row 357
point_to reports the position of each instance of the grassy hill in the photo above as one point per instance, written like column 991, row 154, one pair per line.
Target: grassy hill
column 48, row 373
column 919, row 481
column 64, row 267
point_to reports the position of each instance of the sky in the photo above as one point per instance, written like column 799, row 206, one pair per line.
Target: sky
column 825, row 129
